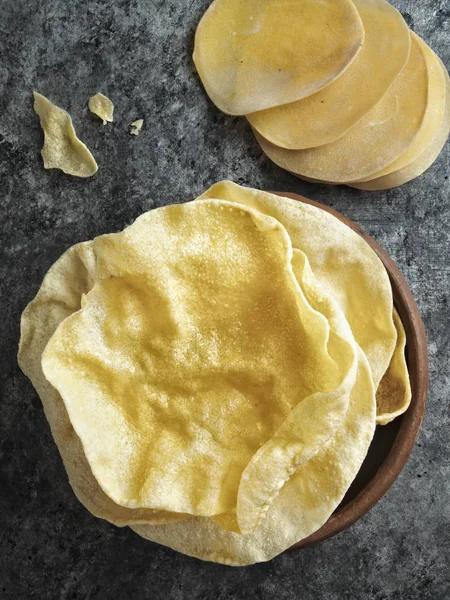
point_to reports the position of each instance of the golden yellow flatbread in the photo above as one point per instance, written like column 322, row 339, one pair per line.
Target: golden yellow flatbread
column 102, row 106
column 256, row 54
column 72, row 276
column 254, row 501
column 252, row 505
column 327, row 115
column 378, row 139
column 62, row 149
column 303, row 505
column 421, row 164
column 394, row 391
column 352, row 266
column 433, row 118
column 201, row 371
column 342, row 262
column 162, row 398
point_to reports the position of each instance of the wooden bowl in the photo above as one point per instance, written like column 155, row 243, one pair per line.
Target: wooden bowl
column 392, row 443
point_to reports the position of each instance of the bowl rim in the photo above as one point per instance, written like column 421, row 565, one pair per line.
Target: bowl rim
column 417, row 360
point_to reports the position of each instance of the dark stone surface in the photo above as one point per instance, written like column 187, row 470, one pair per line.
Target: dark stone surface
column 138, row 53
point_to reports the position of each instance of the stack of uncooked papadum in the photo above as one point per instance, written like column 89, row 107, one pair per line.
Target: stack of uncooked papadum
column 213, row 374
column 336, row 91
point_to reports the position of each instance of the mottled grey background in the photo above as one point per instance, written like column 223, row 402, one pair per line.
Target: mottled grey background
column 138, row 52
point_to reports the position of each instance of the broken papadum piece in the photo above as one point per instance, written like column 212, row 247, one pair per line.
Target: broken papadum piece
column 101, row 106
column 136, row 126
column 62, row 149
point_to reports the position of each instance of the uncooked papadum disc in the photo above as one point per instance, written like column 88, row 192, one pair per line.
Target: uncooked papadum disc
column 378, row 139
column 60, row 295
column 423, row 162
column 327, row 115
column 433, row 117
column 342, row 262
column 256, row 54
column 181, row 372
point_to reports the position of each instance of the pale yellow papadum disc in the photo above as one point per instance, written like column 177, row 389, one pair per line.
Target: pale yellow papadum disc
column 312, row 492
column 303, row 505
column 256, row 54
column 62, row 149
column 343, row 262
column 173, row 403
column 327, row 115
column 296, row 443
column 252, row 506
column 421, row 164
column 376, row 140
column 60, row 296
column 306, row 498
column 433, row 118
column 394, row 391
column 102, row 106
column 340, row 259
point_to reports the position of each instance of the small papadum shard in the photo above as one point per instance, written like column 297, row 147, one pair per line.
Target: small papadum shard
column 101, row 106
column 62, row 149
column 136, row 126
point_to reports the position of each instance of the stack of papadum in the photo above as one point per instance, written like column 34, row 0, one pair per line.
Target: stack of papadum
column 336, row 91
column 214, row 373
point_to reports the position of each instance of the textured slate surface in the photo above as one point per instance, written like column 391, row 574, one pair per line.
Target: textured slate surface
column 138, row 53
